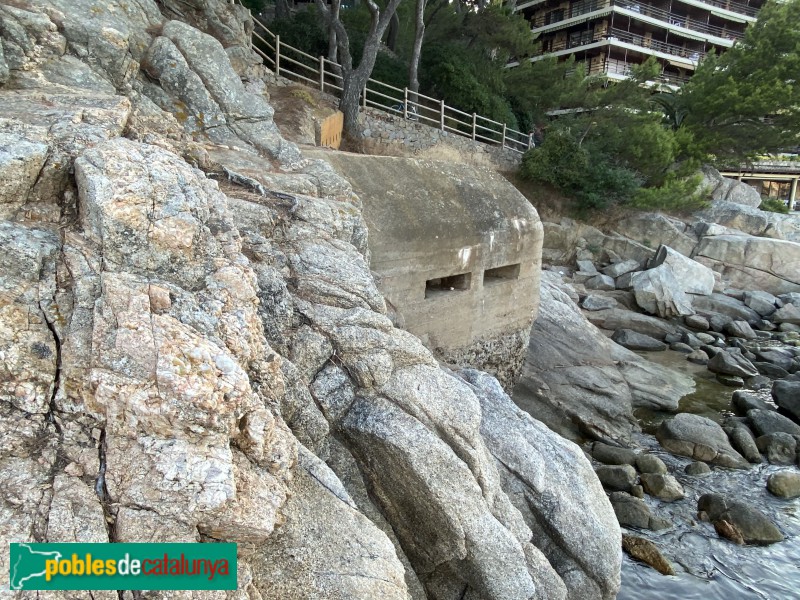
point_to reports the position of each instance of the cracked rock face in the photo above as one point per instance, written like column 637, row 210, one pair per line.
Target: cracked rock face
column 192, row 346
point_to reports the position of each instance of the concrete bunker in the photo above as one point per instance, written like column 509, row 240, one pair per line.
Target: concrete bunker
column 458, row 254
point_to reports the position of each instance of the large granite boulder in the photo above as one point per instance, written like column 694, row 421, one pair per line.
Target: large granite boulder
column 731, row 363
column 787, row 396
column 692, row 277
column 632, row 340
column 660, row 293
column 593, row 383
column 784, row 484
column 725, row 189
column 768, row 421
column 717, row 305
column 621, row 318
column 753, row 263
column 753, row 526
column 699, row 438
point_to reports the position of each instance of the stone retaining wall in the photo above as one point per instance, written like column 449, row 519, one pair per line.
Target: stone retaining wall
column 386, row 134
column 392, row 135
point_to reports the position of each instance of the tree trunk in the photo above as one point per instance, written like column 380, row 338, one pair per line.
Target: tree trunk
column 416, row 51
column 349, row 104
column 283, row 9
column 393, row 31
column 353, row 80
column 333, row 53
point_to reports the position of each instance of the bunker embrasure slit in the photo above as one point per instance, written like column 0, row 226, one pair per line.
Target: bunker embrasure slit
column 452, row 283
column 500, row 274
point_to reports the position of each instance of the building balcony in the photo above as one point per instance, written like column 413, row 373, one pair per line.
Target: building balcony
column 633, row 9
column 619, row 69
column 736, row 7
column 627, row 37
column 685, row 57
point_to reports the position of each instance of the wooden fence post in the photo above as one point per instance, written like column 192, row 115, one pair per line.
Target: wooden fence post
column 441, row 116
column 277, row 55
column 321, row 73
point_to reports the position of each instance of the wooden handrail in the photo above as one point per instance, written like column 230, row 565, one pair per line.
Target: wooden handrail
column 325, row 71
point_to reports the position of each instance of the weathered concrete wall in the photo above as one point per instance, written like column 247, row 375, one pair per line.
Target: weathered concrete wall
column 430, row 220
column 392, row 135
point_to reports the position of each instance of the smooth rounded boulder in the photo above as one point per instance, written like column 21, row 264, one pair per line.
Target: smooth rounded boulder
column 784, row 484
column 699, row 438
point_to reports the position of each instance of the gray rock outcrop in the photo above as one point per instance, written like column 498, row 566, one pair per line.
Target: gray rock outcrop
column 594, row 384
column 692, row 277
column 723, row 189
column 194, row 347
column 752, row 263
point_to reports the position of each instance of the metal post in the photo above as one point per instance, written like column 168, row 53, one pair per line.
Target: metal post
column 474, row 125
column 503, row 143
column 364, row 101
column 321, row 73
column 405, row 102
column 793, row 194
column 277, row 55
column 441, row 116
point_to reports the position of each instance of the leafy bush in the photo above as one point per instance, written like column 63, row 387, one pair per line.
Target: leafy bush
column 676, row 194
column 591, row 179
column 775, row 205
column 559, row 161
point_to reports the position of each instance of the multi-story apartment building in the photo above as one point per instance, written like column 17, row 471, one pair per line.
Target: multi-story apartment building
column 609, row 36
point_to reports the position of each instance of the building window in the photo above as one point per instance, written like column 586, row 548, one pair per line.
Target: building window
column 500, row 274
column 554, row 16
column 443, row 285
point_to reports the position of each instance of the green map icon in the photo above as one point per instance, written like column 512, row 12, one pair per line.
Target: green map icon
column 27, row 564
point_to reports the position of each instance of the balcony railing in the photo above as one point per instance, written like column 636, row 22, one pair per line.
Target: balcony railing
column 587, row 6
column 736, row 7
column 614, row 34
column 658, row 46
column 575, row 10
column 614, row 66
column 677, row 20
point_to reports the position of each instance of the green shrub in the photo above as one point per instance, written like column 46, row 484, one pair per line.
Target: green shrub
column 775, row 205
column 593, row 181
column 676, row 194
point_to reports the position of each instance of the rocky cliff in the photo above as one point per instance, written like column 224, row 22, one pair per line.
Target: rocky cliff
column 192, row 347
column 751, row 249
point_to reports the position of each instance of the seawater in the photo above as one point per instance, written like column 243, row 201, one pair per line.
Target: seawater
column 707, row 566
